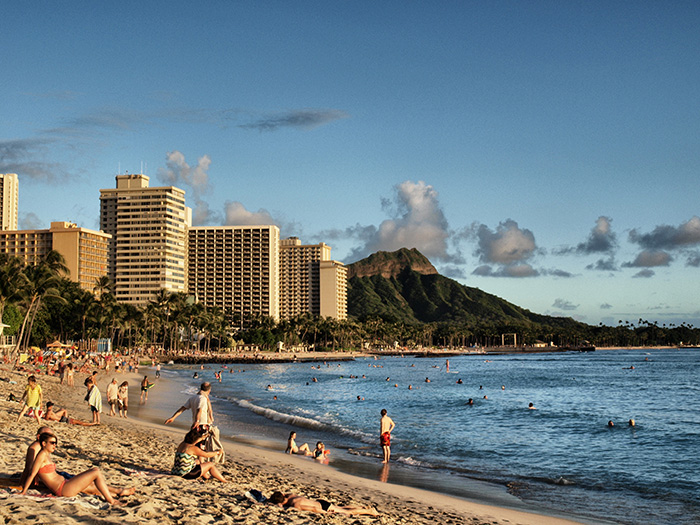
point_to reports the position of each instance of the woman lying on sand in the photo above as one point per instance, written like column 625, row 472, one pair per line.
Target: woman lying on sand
column 45, row 470
column 291, row 501
column 292, row 447
column 187, row 456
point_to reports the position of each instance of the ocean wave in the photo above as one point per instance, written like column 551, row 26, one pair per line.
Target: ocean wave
column 299, row 421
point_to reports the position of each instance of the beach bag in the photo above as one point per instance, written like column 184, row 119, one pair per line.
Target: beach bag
column 213, row 444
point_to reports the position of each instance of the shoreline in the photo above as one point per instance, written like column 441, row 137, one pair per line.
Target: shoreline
column 311, row 357
column 120, row 445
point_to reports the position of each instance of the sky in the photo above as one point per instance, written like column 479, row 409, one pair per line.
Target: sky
column 544, row 152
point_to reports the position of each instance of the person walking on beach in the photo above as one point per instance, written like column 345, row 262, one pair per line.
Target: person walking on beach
column 32, row 398
column 123, row 399
column 112, row 390
column 145, row 385
column 386, row 425
column 200, row 406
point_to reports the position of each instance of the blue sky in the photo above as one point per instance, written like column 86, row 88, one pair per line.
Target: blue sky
column 546, row 152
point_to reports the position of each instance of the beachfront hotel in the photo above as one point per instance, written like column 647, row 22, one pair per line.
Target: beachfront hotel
column 9, row 201
column 235, row 268
column 310, row 282
column 148, row 247
column 85, row 251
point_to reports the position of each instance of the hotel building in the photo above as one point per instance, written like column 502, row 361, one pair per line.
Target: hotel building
column 9, row 201
column 85, row 251
column 310, row 282
column 235, row 268
column 148, row 247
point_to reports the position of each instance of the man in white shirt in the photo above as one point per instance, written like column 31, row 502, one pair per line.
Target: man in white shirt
column 200, row 406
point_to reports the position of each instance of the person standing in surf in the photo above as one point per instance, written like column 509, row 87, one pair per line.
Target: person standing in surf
column 386, row 425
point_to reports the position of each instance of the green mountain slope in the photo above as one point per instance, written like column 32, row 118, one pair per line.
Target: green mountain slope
column 403, row 286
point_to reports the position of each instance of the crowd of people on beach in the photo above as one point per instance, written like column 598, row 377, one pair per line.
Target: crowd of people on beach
column 198, row 456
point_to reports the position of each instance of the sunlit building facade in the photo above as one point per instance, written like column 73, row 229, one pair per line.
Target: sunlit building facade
column 148, row 247
column 9, row 201
column 84, row 250
column 235, row 268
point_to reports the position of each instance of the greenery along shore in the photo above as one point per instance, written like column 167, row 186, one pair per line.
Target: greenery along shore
column 394, row 300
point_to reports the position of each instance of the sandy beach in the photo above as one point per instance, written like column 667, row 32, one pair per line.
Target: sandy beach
column 139, row 454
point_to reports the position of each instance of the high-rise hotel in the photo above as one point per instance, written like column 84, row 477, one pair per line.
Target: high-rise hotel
column 148, row 247
column 9, row 201
column 310, row 282
column 235, row 268
column 84, row 251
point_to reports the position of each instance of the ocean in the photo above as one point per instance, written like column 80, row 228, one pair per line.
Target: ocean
column 561, row 457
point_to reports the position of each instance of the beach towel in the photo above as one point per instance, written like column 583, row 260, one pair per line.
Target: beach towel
column 213, row 444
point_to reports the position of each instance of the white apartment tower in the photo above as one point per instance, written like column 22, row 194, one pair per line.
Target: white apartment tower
column 310, row 282
column 148, row 249
column 235, row 268
column 9, row 201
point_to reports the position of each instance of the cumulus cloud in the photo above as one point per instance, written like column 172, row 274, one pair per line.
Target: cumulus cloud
column 605, row 265
column 666, row 237
column 511, row 270
column 301, row 118
column 235, row 214
column 644, row 274
column 178, row 172
column 418, row 222
column 562, row 304
column 509, row 244
column 650, row 258
column 601, row 239
column 693, row 259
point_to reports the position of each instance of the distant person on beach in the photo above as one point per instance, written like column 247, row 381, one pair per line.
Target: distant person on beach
column 112, row 390
column 32, row 398
column 187, row 458
column 200, row 406
column 61, row 415
column 320, row 451
column 123, row 399
column 94, row 399
column 292, row 501
column 386, row 425
column 292, row 447
column 145, row 385
column 158, row 371
column 45, row 470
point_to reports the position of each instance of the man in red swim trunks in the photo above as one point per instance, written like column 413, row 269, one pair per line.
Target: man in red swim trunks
column 386, row 425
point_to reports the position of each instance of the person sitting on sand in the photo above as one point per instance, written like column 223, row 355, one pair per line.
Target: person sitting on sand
column 35, row 448
column 61, row 415
column 292, row 501
column 187, row 457
column 292, row 447
column 45, row 470
column 320, row 451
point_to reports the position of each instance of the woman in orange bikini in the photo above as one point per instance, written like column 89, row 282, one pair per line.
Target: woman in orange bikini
column 45, row 470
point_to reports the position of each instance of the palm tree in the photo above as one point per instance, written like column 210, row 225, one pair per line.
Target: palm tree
column 43, row 280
